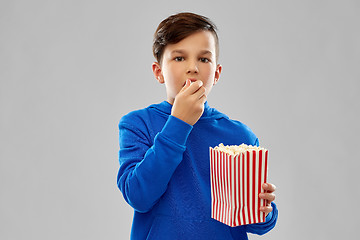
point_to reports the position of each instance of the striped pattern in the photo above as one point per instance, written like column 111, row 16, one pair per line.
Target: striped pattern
column 235, row 186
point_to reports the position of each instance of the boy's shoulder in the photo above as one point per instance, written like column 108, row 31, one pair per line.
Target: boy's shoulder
column 243, row 132
column 234, row 122
column 134, row 115
column 139, row 115
column 240, row 124
column 238, row 128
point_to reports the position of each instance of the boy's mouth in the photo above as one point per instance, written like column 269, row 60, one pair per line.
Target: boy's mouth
column 192, row 79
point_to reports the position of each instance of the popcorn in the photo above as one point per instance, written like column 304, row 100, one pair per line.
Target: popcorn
column 237, row 174
column 237, row 149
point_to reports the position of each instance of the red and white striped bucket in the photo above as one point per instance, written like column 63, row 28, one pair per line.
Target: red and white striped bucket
column 235, row 186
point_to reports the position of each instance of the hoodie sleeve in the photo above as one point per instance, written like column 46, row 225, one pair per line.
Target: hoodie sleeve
column 270, row 222
column 145, row 169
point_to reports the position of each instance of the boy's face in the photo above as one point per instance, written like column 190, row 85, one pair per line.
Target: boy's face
column 192, row 58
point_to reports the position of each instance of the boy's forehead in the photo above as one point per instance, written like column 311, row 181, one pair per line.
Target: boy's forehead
column 202, row 42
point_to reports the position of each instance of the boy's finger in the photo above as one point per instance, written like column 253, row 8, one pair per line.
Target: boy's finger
column 268, row 187
column 200, row 92
column 203, row 98
column 267, row 196
column 194, row 86
column 186, row 85
column 266, row 209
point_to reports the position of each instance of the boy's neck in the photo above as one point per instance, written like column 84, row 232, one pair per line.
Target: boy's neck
column 171, row 101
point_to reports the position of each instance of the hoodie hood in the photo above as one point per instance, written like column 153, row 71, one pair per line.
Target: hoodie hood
column 208, row 114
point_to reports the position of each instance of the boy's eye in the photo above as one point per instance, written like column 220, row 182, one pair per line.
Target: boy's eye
column 179, row 59
column 204, row 60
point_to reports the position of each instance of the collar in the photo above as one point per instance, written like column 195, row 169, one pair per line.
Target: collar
column 166, row 107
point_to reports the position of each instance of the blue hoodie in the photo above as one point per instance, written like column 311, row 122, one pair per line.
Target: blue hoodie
column 165, row 173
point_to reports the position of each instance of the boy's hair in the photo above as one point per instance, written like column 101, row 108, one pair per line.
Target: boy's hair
column 179, row 26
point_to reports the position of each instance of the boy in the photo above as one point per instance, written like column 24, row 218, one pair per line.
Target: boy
column 164, row 149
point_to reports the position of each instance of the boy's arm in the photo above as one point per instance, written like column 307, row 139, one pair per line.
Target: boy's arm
column 146, row 170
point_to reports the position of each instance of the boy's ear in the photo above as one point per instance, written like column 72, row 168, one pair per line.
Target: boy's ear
column 217, row 73
column 156, row 68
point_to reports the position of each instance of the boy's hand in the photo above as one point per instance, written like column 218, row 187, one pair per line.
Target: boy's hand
column 268, row 196
column 189, row 102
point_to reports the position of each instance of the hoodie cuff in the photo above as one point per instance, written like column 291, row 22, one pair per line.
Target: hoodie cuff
column 176, row 130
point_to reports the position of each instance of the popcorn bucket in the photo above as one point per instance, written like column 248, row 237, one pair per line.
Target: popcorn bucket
column 236, row 182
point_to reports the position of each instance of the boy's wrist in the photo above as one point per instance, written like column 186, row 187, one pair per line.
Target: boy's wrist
column 182, row 118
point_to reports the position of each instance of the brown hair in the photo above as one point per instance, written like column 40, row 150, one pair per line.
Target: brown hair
column 179, row 26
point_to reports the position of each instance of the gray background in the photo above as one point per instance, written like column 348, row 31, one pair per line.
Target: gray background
column 70, row 69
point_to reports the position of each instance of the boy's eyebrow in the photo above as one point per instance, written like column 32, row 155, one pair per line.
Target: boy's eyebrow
column 180, row 51
column 204, row 52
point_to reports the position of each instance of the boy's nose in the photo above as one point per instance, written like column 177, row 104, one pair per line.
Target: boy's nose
column 192, row 68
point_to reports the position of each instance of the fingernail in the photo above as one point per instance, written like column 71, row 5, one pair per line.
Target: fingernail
column 265, row 185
